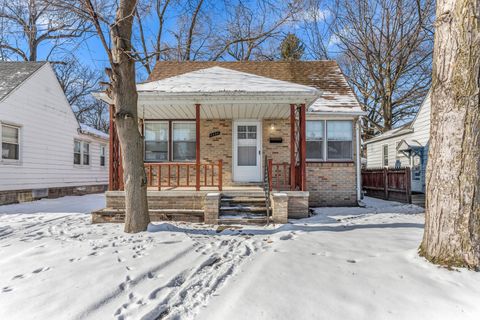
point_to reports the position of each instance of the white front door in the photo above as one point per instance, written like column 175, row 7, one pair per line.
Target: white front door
column 247, row 155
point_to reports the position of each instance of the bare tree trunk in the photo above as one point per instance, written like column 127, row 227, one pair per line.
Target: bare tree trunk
column 125, row 98
column 452, row 224
column 123, row 92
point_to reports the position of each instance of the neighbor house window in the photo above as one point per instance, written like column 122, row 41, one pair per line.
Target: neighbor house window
column 81, row 152
column 156, row 141
column 102, row 156
column 10, row 142
column 86, row 153
column 339, row 140
column 77, row 152
column 315, row 137
column 385, row 155
column 184, row 141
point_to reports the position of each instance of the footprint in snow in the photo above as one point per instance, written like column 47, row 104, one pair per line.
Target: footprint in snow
column 18, row 276
column 352, row 261
column 41, row 269
column 287, row 236
column 6, row 289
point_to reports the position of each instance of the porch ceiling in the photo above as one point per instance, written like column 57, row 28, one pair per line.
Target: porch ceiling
column 215, row 111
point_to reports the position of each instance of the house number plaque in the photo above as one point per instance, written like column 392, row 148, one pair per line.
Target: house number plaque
column 213, row 134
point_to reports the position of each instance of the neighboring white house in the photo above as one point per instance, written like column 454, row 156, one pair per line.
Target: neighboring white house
column 45, row 152
column 406, row 146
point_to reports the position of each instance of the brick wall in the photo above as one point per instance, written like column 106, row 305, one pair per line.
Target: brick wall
column 331, row 184
column 278, row 152
column 218, row 147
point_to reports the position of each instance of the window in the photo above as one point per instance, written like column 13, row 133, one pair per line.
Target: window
column 77, row 152
column 102, row 156
column 81, row 152
column 339, row 140
column 184, row 141
column 158, row 145
column 156, row 141
column 385, row 155
column 86, row 153
column 315, row 134
column 10, row 142
column 247, row 145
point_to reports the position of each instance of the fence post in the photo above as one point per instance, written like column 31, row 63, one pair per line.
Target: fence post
column 385, row 182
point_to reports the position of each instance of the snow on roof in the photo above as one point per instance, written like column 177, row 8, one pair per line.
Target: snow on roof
column 92, row 131
column 334, row 102
column 405, row 129
column 408, row 144
column 218, row 79
column 14, row 73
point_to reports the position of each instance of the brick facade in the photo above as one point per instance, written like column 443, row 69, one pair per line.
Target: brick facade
column 331, row 184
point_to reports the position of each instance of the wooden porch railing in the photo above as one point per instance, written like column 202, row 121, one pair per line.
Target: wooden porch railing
column 279, row 175
column 184, row 174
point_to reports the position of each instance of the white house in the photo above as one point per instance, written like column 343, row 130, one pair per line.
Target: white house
column 406, row 146
column 45, row 152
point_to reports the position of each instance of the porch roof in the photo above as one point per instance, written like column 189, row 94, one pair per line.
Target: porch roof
column 223, row 94
column 218, row 80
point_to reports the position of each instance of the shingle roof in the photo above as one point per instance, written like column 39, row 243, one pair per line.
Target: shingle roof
column 323, row 75
column 12, row 74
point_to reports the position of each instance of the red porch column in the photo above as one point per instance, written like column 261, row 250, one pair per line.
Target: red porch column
column 292, row 147
column 303, row 148
column 197, row 150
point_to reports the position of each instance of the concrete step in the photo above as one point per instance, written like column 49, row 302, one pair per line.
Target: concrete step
column 245, row 220
column 242, row 208
column 243, row 193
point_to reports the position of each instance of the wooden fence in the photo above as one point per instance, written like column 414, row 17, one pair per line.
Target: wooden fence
column 388, row 184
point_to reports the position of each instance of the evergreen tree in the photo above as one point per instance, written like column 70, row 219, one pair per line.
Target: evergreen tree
column 291, row 48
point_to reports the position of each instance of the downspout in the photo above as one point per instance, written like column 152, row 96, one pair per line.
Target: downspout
column 358, row 161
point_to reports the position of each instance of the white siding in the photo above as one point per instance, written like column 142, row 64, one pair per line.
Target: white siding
column 375, row 152
column 421, row 133
column 421, row 124
column 47, row 130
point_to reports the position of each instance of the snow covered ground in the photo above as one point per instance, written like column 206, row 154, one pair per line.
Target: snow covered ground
column 343, row 263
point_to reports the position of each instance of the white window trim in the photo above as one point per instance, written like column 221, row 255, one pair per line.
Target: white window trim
column 170, row 147
column 82, row 142
column 145, row 141
column 104, row 148
column 20, row 144
column 383, row 155
column 325, row 142
column 89, row 153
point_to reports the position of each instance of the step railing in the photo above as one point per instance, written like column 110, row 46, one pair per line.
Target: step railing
column 267, row 185
column 184, row 174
